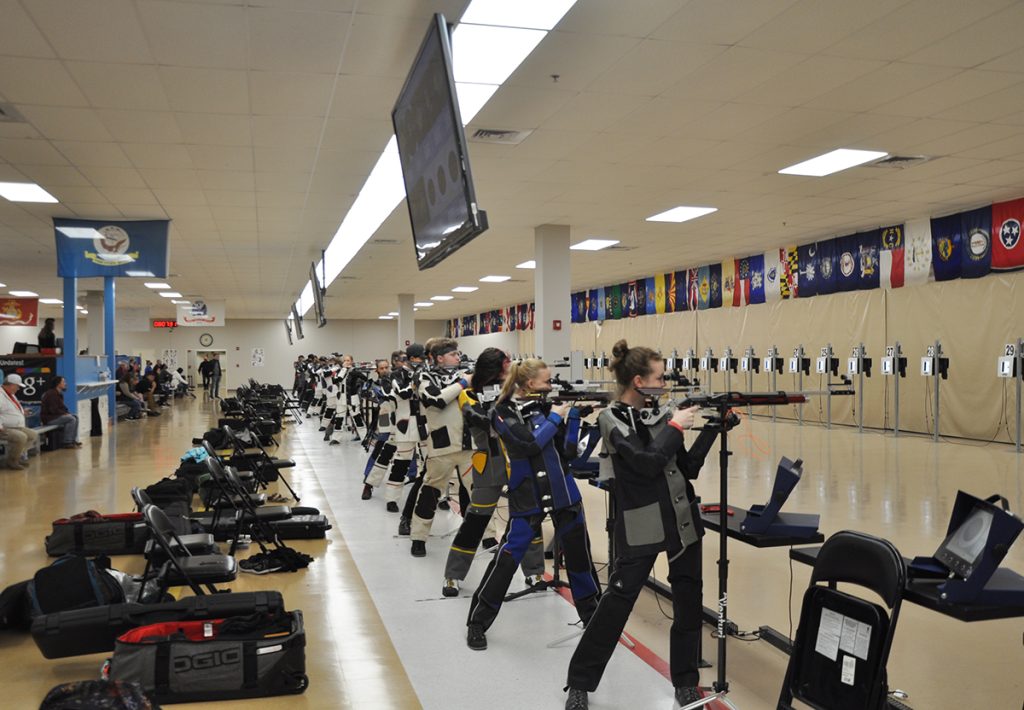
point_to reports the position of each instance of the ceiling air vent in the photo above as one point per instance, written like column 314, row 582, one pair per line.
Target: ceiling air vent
column 619, row 247
column 9, row 114
column 497, row 135
column 899, row 161
column 386, row 242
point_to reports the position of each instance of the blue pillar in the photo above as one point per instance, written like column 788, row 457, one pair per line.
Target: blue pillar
column 68, row 359
column 108, row 342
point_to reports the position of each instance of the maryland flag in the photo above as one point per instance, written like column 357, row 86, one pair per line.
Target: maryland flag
column 791, row 272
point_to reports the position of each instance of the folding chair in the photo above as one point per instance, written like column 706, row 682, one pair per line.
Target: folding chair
column 843, row 641
column 182, row 568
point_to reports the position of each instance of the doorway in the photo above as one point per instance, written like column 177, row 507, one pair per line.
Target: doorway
column 195, row 357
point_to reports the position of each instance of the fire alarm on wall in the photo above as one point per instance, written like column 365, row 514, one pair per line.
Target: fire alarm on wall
column 556, row 325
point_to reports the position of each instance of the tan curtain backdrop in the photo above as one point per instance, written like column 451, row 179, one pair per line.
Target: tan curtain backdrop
column 973, row 318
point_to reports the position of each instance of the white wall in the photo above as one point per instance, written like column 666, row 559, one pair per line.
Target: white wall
column 473, row 345
column 363, row 339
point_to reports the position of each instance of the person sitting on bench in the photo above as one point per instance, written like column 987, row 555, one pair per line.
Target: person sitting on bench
column 12, row 423
column 54, row 412
column 126, row 393
column 147, row 388
column 180, row 384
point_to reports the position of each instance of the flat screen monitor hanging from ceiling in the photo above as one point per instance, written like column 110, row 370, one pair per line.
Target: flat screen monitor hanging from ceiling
column 318, row 295
column 432, row 150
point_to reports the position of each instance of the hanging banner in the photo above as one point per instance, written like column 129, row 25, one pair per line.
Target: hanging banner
column 202, row 314
column 257, row 357
column 170, row 358
column 87, row 248
column 19, row 311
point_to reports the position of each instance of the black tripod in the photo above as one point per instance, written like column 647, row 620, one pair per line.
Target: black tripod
column 554, row 583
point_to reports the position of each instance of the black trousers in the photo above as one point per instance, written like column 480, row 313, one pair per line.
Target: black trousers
column 605, row 627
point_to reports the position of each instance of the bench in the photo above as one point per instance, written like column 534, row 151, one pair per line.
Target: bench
column 44, row 436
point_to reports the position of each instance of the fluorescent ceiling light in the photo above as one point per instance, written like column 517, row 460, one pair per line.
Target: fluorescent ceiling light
column 681, row 214
column 84, row 312
column 495, row 279
column 485, row 54
column 441, row 298
column 33, row 294
column 531, row 264
column 472, row 98
column 3, row 285
column 594, row 244
column 531, row 14
column 465, row 289
column 182, row 303
column 424, row 304
column 25, row 192
column 79, row 232
column 385, row 317
column 80, row 308
column 51, row 301
column 393, row 313
column 156, row 285
column 833, row 162
column 170, row 294
column 136, row 274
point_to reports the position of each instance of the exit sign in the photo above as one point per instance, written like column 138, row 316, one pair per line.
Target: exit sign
column 165, row 324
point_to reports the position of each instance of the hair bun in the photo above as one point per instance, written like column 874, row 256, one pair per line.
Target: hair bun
column 620, row 349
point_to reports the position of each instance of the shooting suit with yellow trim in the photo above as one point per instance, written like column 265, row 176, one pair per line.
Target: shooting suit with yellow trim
column 657, row 513
column 448, row 450
column 490, row 475
column 538, row 444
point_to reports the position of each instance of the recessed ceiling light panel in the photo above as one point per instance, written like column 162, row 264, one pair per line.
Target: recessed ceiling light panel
column 682, row 213
column 833, row 162
column 594, row 244
column 25, row 192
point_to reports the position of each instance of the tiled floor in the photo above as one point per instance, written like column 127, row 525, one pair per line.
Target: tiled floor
column 381, row 636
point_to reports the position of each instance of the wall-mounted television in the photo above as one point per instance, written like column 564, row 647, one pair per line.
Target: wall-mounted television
column 288, row 330
column 318, row 296
column 432, row 149
column 297, row 320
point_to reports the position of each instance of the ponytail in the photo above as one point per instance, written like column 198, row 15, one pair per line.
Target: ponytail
column 519, row 374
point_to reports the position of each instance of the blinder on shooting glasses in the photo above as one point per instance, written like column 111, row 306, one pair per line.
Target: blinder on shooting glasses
column 979, row 535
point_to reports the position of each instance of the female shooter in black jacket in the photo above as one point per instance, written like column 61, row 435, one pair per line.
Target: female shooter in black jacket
column 657, row 513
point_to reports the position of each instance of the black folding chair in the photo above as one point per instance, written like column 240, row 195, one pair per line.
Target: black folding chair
column 249, row 519
column 182, row 568
column 843, row 641
column 250, row 455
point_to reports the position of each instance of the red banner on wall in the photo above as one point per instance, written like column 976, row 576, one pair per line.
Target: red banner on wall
column 19, row 311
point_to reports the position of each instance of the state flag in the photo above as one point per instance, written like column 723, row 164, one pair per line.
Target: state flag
column 615, row 302
column 917, row 252
column 693, row 289
column 455, row 325
column 787, row 277
column 976, row 247
column 946, row 245
column 847, row 258
column 715, row 285
column 772, row 276
column 757, row 283
column 704, row 288
column 826, row 274
column 632, row 296
column 660, row 299
column 728, row 267
column 577, row 314
column 497, row 323
column 867, row 261
column 602, row 303
column 592, row 301
column 531, row 310
column 650, row 293
column 807, row 274
column 670, row 292
column 890, row 257
column 741, row 288
column 1007, row 251
column 511, row 319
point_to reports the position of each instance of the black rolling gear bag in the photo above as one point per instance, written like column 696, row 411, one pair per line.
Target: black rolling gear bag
column 91, row 533
column 84, row 631
column 224, row 659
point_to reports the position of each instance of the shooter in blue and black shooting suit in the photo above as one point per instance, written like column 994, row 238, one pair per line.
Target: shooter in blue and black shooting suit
column 538, row 440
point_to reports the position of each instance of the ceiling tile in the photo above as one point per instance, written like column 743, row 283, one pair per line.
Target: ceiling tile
column 286, row 131
column 281, row 40
column 104, row 155
column 19, row 35
column 220, row 157
column 129, row 86
column 99, row 30
column 627, row 77
column 64, row 123
column 294, row 160
column 231, row 180
column 30, row 152
column 155, row 155
column 55, row 176
column 214, row 129
column 279, row 94
column 180, row 178
column 121, row 196
column 206, row 90
column 196, row 34
column 140, row 126
column 113, row 177
column 38, row 81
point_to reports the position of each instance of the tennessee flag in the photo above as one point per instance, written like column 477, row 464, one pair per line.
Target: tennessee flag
column 1007, row 250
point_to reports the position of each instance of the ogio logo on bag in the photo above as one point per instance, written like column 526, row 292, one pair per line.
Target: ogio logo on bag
column 203, row 661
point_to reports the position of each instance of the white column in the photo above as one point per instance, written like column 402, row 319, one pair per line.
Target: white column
column 551, row 291
column 93, row 340
column 406, row 320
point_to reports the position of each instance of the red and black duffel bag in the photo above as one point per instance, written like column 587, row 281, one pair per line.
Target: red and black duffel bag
column 92, row 533
column 254, row 656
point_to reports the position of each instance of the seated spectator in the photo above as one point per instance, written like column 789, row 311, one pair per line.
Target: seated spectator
column 146, row 387
column 180, row 384
column 54, row 411
column 12, row 423
column 126, row 393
